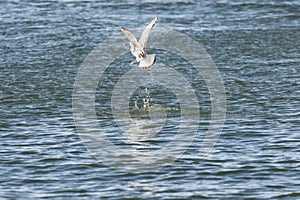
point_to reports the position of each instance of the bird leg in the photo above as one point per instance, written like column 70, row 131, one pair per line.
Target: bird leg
column 133, row 62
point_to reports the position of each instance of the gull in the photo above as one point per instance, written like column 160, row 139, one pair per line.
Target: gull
column 138, row 47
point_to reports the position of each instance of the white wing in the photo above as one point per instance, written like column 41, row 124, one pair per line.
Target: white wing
column 145, row 34
column 130, row 37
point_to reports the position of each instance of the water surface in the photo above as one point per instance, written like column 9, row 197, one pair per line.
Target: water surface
column 255, row 45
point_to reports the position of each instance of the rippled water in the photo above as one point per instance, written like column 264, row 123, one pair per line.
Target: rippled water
column 255, row 45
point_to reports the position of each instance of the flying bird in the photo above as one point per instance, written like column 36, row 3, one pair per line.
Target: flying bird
column 138, row 47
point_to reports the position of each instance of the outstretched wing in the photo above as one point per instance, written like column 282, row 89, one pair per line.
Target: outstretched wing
column 130, row 37
column 145, row 34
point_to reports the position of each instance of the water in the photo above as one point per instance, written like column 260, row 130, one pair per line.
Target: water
column 255, row 45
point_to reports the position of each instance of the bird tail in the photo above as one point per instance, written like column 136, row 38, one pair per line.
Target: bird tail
column 148, row 61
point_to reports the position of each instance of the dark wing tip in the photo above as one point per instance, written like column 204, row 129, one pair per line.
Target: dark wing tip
column 123, row 29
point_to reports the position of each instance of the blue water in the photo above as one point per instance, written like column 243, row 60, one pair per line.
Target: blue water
column 255, row 45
